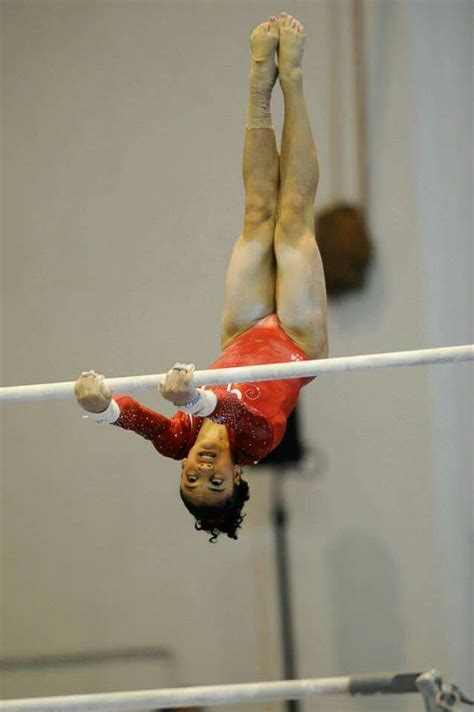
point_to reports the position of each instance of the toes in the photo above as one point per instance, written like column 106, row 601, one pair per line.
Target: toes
column 291, row 22
column 274, row 26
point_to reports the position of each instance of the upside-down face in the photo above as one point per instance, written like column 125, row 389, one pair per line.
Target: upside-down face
column 208, row 473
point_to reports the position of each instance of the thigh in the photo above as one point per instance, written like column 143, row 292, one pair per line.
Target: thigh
column 301, row 292
column 250, row 284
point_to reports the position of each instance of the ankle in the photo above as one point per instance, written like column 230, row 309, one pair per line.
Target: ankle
column 262, row 78
column 261, row 63
column 291, row 77
column 263, row 74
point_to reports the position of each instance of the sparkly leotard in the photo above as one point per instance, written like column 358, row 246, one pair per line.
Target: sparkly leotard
column 255, row 413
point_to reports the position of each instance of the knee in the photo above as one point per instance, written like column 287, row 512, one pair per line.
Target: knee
column 259, row 210
column 295, row 215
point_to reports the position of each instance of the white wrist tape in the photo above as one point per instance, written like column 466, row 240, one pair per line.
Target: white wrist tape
column 204, row 406
column 107, row 416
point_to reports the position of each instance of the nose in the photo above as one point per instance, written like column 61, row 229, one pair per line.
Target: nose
column 205, row 466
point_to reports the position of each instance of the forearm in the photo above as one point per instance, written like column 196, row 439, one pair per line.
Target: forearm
column 129, row 414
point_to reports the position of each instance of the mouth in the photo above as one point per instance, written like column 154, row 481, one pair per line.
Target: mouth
column 207, row 455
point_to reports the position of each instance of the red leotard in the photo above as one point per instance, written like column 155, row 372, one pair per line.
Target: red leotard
column 255, row 413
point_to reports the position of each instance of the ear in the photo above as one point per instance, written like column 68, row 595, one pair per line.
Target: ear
column 183, row 463
column 237, row 474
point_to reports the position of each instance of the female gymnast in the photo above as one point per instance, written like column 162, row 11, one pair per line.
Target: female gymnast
column 274, row 308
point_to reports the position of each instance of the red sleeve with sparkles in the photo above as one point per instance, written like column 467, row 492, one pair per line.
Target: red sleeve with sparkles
column 241, row 417
column 168, row 435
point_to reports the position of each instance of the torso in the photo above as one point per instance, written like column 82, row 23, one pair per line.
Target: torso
column 266, row 342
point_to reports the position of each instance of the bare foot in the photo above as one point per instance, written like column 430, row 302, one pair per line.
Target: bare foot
column 291, row 46
column 264, row 40
column 263, row 45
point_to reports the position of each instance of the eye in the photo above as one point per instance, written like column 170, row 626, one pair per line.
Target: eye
column 217, row 481
column 192, row 478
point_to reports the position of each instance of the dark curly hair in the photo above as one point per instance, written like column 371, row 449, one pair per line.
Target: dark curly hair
column 228, row 513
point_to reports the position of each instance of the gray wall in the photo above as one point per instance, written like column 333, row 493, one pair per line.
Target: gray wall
column 121, row 150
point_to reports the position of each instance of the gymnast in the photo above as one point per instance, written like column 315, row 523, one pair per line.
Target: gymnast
column 274, row 306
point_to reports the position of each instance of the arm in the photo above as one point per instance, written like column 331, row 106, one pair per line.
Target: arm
column 168, row 435
column 135, row 416
column 241, row 417
column 224, row 408
column 94, row 396
column 257, row 435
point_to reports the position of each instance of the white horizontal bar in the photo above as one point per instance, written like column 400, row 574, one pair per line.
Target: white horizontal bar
column 182, row 697
column 264, row 372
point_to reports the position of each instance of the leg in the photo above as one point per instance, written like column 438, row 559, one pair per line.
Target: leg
column 250, row 282
column 300, row 287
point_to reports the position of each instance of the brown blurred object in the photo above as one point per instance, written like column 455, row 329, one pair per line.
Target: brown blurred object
column 345, row 246
column 342, row 233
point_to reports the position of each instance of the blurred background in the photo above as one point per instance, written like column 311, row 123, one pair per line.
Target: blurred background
column 122, row 133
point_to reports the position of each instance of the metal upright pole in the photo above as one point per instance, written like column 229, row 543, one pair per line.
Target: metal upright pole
column 280, row 527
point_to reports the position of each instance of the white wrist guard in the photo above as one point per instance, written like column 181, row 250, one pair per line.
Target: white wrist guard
column 203, row 405
column 110, row 415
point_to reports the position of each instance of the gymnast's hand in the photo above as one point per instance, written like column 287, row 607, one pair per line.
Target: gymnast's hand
column 92, row 393
column 178, row 385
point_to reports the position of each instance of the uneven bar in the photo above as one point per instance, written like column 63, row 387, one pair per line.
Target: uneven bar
column 383, row 683
column 181, row 697
column 264, row 372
